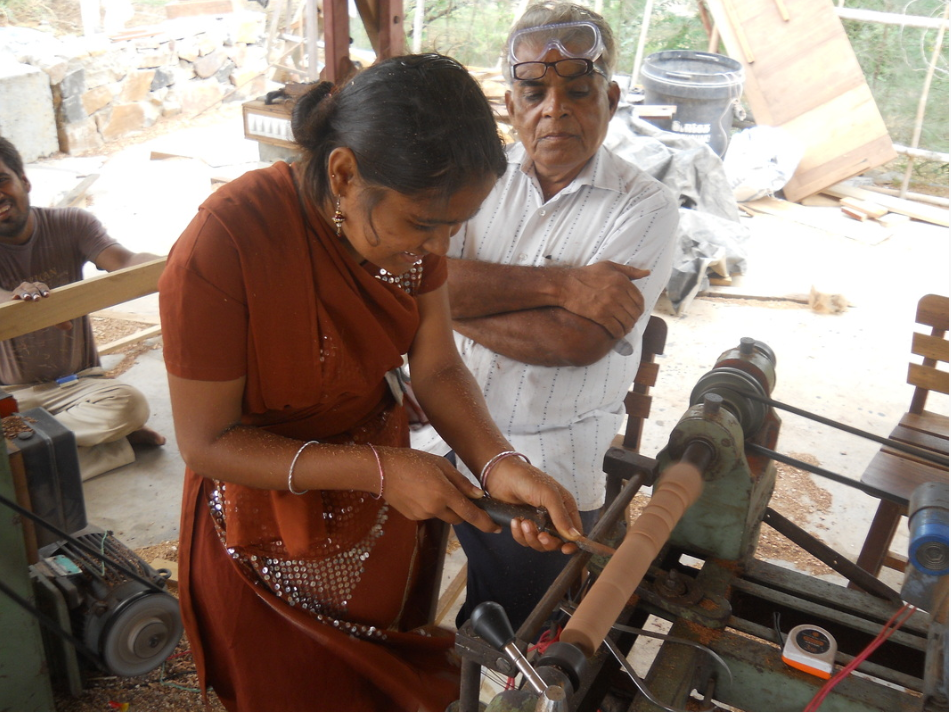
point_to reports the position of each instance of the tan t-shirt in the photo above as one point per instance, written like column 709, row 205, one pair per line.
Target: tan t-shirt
column 63, row 240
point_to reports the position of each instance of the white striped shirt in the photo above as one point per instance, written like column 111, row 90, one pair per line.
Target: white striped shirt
column 564, row 418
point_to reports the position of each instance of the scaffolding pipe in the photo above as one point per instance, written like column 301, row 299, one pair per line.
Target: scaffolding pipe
column 922, row 153
column 641, row 41
column 923, row 102
column 892, row 18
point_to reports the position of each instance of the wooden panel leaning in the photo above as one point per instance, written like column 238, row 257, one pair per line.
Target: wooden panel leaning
column 899, row 473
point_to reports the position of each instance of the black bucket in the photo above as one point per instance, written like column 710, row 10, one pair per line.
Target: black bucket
column 703, row 87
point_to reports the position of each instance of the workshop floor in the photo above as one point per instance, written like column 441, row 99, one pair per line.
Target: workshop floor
column 849, row 367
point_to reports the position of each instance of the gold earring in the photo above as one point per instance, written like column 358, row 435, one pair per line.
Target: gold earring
column 338, row 219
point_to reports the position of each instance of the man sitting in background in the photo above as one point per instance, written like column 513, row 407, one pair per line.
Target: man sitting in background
column 541, row 284
column 57, row 368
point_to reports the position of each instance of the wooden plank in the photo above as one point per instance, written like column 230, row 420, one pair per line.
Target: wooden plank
column 933, row 311
column 654, row 111
column 919, row 211
column 122, row 343
column 637, row 405
column 193, row 8
column 927, row 421
column 870, row 209
column 77, row 194
column 930, row 347
column 836, row 150
column 926, row 377
column 807, row 80
column 868, row 233
column 79, row 298
column 928, row 441
column 893, row 220
column 647, row 374
column 126, row 316
column 900, row 476
column 911, row 457
column 820, row 200
column 456, row 587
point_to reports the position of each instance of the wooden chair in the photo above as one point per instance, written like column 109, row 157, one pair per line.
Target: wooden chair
column 637, row 403
column 899, row 473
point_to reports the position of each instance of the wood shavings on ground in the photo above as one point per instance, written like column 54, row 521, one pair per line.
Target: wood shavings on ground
column 106, row 330
column 799, row 499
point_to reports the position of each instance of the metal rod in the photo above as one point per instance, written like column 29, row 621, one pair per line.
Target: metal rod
column 521, row 663
column 929, row 456
column 699, row 454
column 80, row 544
column 470, row 681
column 868, row 489
column 821, row 551
column 530, row 627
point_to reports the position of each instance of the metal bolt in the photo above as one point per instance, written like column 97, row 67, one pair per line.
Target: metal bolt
column 711, row 405
column 746, row 345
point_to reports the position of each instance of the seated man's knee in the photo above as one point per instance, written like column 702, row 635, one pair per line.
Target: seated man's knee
column 124, row 402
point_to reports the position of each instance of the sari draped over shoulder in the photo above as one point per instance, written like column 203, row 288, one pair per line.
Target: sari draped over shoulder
column 259, row 286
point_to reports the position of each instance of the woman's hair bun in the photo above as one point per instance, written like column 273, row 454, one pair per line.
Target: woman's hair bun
column 306, row 113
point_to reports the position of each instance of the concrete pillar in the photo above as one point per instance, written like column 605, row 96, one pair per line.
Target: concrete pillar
column 26, row 110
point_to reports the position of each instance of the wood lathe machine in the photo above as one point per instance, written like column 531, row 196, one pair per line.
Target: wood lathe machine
column 744, row 634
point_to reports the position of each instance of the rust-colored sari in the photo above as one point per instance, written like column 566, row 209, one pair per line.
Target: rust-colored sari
column 299, row 602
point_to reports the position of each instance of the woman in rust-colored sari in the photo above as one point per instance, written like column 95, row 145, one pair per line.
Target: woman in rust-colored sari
column 285, row 304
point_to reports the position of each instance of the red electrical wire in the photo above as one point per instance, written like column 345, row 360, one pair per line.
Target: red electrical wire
column 891, row 626
column 544, row 641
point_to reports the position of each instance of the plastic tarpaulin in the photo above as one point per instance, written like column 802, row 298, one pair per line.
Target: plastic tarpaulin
column 710, row 230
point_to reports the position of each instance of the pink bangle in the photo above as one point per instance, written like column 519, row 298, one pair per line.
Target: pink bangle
column 494, row 461
column 379, row 464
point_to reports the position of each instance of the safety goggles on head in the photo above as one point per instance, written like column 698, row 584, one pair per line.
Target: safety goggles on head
column 576, row 40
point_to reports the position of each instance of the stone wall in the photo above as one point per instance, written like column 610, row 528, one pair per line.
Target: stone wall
column 102, row 89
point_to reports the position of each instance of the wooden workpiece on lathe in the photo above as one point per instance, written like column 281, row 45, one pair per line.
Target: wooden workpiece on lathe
column 676, row 490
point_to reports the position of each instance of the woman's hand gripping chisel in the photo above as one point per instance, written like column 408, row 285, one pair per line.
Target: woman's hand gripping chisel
column 503, row 514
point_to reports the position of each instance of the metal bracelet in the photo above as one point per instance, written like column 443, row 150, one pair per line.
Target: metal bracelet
column 494, row 461
column 290, row 471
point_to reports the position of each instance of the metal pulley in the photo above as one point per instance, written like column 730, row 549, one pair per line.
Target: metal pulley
column 133, row 629
column 713, row 423
column 742, row 372
column 753, row 357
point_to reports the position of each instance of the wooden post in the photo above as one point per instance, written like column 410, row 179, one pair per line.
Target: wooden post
column 418, row 17
column 641, row 41
column 392, row 37
column 923, row 102
column 336, row 38
column 310, row 35
column 89, row 11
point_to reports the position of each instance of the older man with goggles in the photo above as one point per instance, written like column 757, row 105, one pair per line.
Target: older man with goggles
column 563, row 263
